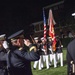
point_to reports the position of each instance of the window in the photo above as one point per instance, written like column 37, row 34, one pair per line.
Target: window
column 41, row 26
column 56, row 8
column 36, row 28
column 61, row 6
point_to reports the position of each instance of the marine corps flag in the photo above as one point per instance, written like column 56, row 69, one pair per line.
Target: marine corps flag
column 51, row 24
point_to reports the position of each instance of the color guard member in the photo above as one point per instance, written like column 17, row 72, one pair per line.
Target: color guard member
column 37, row 44
column 45, row 52
column 59, row 51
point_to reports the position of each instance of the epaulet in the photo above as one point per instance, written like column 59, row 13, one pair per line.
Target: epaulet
column 32, row 48
column 20, row 48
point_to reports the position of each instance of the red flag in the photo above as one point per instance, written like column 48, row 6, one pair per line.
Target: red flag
column 51, row 29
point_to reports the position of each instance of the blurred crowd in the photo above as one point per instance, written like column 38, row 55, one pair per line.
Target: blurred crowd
column 67, row 33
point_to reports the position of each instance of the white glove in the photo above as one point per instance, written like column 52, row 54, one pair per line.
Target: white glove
column 51, row 50
column 5, row 44
column 61, row 45
column 43, row 50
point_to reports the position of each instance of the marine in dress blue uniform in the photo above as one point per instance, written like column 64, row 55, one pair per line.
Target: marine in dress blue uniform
column 59, row 51
column 50, row 51
column 19, row 60
column 45, row 52
column 37, row 44
column 71, row 58
column 3, row 65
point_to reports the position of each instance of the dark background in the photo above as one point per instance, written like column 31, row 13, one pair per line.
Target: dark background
column 19, row 15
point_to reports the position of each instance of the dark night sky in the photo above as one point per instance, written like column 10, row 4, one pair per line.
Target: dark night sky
column 19, row 15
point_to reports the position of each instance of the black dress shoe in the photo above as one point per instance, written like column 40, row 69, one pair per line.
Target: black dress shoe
column 34, row 68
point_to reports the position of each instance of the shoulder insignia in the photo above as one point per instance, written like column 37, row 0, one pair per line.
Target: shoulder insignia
column 33, row 47
column 20, row 48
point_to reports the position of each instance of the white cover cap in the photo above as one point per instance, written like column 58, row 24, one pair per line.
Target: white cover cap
column 2, row 37
column 42, row 38
column 36, row 38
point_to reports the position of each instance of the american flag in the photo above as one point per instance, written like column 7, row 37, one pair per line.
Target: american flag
column 44, row 19
column 51, row 23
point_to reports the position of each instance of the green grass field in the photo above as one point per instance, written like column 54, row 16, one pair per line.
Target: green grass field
column 53, row 71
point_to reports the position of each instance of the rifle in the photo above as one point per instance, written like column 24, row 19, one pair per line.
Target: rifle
column 32, row 39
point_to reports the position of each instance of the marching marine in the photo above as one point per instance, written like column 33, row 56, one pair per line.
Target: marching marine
column 38, row 62
column 51, row 52
column 45, row 52
column 59, row 52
